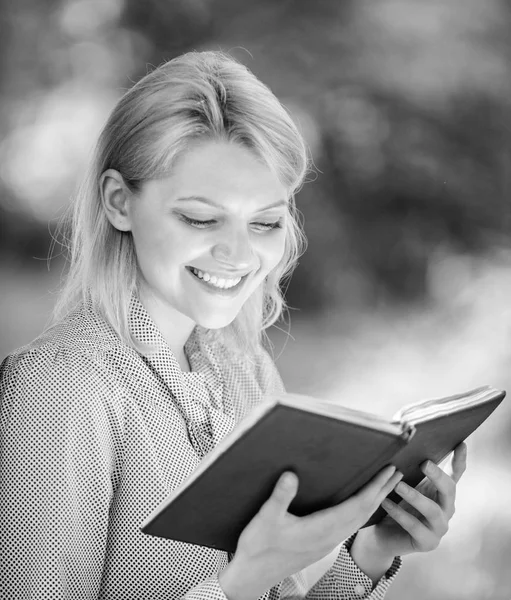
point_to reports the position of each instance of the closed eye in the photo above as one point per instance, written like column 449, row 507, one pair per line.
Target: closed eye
column 197, row 223
column 203, row 224
column 268, row 226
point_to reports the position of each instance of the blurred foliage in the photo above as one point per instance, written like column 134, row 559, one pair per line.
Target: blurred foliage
column 405, row 106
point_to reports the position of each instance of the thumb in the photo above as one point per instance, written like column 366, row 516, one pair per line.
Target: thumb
column 458, row 462
column 283, row 493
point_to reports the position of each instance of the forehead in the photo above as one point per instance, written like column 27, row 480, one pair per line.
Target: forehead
column 224, row 172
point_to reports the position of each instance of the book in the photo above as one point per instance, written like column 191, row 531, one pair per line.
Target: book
column 334, row 451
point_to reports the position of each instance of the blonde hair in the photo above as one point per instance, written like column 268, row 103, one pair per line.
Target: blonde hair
column 198, row 95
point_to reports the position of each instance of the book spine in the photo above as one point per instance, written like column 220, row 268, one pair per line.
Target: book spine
column 408, row 431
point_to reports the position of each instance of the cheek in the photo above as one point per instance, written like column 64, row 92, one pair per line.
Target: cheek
column 158, row 255
column 149, row 251
column 155, row 240
column 271, row 250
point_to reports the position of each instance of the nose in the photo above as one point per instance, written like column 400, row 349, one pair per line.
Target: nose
column 234, row 250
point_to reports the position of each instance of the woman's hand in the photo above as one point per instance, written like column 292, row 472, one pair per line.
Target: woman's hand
column 277, row 544
column 420, row 521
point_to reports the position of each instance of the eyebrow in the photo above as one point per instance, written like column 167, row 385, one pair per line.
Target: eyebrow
column 277, row 204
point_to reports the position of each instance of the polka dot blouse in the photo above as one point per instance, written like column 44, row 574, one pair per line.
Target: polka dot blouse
column 94, row 435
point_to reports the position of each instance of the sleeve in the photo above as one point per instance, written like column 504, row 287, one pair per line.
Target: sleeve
column 57, row 459
column 345, row 581
column 207, row 590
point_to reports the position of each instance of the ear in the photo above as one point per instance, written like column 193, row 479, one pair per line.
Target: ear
column 116, row 199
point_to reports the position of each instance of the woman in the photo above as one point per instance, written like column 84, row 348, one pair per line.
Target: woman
column 182, row 232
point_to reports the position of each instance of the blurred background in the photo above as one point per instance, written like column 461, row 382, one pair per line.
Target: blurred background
column 404, row 291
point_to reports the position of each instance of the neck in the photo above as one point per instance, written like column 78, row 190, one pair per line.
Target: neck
column 175, row 327
column 183, row 362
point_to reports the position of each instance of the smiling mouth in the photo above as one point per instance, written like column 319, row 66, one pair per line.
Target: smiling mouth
column 218, row 283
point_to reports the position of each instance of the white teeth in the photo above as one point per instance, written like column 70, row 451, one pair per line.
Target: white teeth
column 219, row 282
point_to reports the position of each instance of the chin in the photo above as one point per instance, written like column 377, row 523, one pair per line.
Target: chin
column 212, row 321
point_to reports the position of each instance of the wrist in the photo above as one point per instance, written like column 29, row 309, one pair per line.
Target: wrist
column 238, row 582
column 369, row 555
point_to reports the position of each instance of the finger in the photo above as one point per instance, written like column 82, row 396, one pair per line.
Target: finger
column 445, row 486
column 433, row 514
column 459, row 461
column 424, row 539
column 389, row 486
column 283, row 493
column 368, row 498
column 374, row 487
column 354, row 511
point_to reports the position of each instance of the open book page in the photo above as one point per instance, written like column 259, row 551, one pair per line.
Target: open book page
column 342, row 413
column 435, row 407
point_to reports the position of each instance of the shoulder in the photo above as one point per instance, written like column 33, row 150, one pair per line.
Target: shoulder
column 67, row 363
column 265, row 371
column 83, row 334
column 58, row 406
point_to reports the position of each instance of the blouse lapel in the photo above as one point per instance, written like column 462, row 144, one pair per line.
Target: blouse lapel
column 199, row 394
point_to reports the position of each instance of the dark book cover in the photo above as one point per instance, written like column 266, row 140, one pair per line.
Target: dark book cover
column 334, row 451
column 332, row 459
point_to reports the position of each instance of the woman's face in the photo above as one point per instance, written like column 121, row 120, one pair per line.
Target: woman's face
column 208, row 235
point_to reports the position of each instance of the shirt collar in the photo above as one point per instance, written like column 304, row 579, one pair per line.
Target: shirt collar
column 202, row 356
column 201, row 393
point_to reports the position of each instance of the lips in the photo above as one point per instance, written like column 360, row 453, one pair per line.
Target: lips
column 217, row 284
column 218, row 275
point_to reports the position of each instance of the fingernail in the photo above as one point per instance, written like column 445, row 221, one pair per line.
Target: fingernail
column 426, row 468
column 401, row 488
column 387, row 504
column 288, row 480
